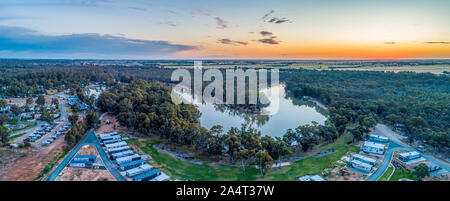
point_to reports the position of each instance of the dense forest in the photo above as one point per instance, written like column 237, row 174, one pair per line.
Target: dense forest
column 416, row 102
column 419, row 103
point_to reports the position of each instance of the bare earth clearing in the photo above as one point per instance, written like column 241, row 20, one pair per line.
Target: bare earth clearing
column 85, row 174
column 14, row 167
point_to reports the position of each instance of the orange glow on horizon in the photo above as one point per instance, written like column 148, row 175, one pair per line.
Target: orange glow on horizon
column 322, row 51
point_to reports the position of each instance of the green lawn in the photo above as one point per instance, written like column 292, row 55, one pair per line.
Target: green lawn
column 213, row 172
column 386, row 174
column 399, row 174
column 185, row 170
column 52, row 92
column 27, row 125
column 313, row 165
column 12, row 138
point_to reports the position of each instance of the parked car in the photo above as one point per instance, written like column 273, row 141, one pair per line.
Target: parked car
column 46, row 143
column 421, row 148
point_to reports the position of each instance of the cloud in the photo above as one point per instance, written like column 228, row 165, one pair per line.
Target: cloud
column 267, row 14
column 221, row 24
column 136, row 8
column 168, row 23
column 278, row 20
column 171, row 12
column 389, row 43
column 265, row 33
column 201, row 12
column 438, row 42
column 22, row 42
column 270, row 41
column 93, row 3
column 227, row 41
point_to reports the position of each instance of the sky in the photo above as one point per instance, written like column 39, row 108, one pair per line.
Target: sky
column 225, row 29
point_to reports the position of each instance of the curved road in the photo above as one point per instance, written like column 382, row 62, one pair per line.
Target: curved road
column 393, row 147
column 88, row 139
column 396, row 145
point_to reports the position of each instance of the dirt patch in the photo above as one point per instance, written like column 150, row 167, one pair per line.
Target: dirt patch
column 340, row 172
column 88, row 150
column 104, row 127
column 27, row 165
column 86, row 174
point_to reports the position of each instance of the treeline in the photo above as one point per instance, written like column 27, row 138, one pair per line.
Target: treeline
column 34, row 83
column 80, row 128
column 147, row 108
column 417, row 102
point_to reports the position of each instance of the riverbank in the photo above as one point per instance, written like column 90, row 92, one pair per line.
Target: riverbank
column 213, row 171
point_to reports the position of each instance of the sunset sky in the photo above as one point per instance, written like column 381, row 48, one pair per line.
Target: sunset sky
column 228, row 29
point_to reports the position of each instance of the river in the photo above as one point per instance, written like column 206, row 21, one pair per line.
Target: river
column 290, row 113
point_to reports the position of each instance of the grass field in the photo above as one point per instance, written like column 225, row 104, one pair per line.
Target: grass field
column 184, row 170
column 313, row 165
column 386, row 174
column 27, row 125
column 12, row 138
column 216, row 172
column 400, row 174
column 68, row 109
column 52, row 92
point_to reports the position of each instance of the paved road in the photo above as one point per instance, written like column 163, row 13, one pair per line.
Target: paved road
column 31, row 130
column 396, row 145
column 393, row 147
column 28, row 130
column 88, row 139
column 62, row 120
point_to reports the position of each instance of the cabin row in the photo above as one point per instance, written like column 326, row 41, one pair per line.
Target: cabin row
column 83, row 161
column 128, row 161
column 362, row 163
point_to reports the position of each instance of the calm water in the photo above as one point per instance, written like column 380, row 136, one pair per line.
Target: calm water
column 289, row 115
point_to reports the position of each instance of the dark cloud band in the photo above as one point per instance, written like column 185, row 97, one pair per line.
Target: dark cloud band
column 20, row 40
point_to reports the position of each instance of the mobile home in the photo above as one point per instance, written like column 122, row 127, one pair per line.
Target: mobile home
column 81, row 164
column 125, row 159
column 360, row 165
column 372, row 147
column 121, row 154
column 84, row 158
column 118, row 149
column 364, row 159
column 112, row 141
column 105, row 138
column 130, row 165
column 147, row 175
column 138, row 170
column 407, row 156
column 115, row 145
column 378, row 138
column 108, row 134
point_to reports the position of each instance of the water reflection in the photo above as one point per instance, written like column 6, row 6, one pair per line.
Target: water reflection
column 291, row 113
